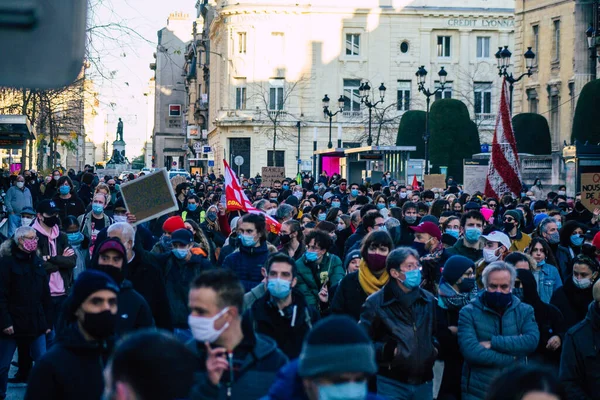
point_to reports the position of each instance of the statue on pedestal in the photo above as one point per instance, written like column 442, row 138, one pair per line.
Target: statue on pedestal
column 120, row 130
column 118, row 155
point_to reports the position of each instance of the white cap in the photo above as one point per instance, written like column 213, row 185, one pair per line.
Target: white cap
column 499, row 237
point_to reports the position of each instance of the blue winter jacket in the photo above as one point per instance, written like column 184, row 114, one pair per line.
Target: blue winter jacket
column 513, row 336
column 247, row 262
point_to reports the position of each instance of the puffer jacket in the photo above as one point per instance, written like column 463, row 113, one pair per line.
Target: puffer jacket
column 247, row 262
column 311, row 276
column 402, row 323
column 514, row 335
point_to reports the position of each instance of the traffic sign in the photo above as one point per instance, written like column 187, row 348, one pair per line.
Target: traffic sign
column 238, row 160
column 197, row 146
column 211, row 163
column 174, row 163
column 206, row 149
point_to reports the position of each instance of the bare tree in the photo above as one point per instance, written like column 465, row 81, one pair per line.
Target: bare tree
column 474, row 80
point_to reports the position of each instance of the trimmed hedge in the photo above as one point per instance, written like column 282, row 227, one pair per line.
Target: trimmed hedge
column 532, row 134
column 411, row 131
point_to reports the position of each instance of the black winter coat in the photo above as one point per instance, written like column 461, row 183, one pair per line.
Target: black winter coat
column 71, row 370
column 71, row 206
column 572, row 302
column 145, row 275
column 25, row 302
column 349, row 297
column 449, row 353
column 356, row 237
column 580, row 361
column 134, row 312
column 289, row 329
column 64, row 265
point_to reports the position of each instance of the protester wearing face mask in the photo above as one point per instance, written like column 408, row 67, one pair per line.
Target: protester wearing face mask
column 291, row 239
column 318, row 270
column 486, row 349
column 192, row 209
column 254, row 250
column 428, row 243
column 457, row 289
column 27, row 216
column 66, row 199
column 548, row 318
column 133, row 310
column 573, row 298
column 400, row 320
column 571, row 240
column 76, row 239
column 469, row 245
column 495, row 247
column 75, row 364
column 282, row 313
column 235, row 361
column 215, row 228
column 95, row 221
column 164, row 245
column 26, row 305
column 410, row 217
column 18, row 197
column 355, row 287
column 545, row 272
column 513, row 221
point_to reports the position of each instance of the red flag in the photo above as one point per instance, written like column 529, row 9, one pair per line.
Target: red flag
column 415, row 183
column 237, row 200
column 504, row 174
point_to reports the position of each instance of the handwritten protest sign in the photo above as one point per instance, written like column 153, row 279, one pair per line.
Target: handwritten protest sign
column 149, row 196
column 272, row 174
column 434, row 181
column 590, row 190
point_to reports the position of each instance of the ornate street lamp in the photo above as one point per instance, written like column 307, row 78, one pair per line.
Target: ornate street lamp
column 328, row 114
column 503, row 56
column 364, row 91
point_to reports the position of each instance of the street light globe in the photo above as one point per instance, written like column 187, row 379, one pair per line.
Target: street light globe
column 505, row 54
column 367, row 88
column 361, row 90
column 421, row 74
column 499, row 57
column 382, row 91
column 529, row 57
column 325, row 101
column 341, row 102
column 442, row 74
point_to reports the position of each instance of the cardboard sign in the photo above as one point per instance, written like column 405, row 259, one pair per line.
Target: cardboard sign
column 272, row 174
column 434, row 181
column 474, row 175
column 590, row 190
column 149, row 196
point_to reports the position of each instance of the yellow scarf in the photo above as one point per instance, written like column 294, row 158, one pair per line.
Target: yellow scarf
column 369, row 282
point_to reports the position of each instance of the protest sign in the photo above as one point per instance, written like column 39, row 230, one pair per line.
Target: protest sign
column 590, row 190
column 474, row 175
column 434, row 181
column 272, row 174
column 149, row 196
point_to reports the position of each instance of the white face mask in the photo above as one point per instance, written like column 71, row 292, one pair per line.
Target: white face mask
column 582, row 283
column 203, row 328
column 120, row 218
column 272, row 212
column 20, row 185
column 489, row 255
column 26, row 221
column 56, row 177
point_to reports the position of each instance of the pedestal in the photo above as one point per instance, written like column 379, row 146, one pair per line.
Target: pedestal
column 119, row 145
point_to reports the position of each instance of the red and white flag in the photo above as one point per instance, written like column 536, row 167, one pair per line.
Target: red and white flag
column 237, row 200
column 504, row 173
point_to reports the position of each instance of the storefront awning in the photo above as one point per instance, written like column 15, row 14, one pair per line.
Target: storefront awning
column 15, row 130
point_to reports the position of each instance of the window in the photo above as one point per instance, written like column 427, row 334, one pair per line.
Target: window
column 404, row 47
column 554, row 102
column 483, row 99
column 572, row 98
column 556, row 42
column 242, row 42
column 279, row 158
column 351, row 95
column 443, row 46
column 535, row 30
column 532, row 99
column 276, row 96
column 174, row 110
column 403, row 103
column 444, row 94
column 240, row 98
column 352, row 44
column 483, row 47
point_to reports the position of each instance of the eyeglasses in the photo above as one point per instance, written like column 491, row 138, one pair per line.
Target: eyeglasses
column 509, row 219
column 410, row 267
column 492, row 205
column 31, row 238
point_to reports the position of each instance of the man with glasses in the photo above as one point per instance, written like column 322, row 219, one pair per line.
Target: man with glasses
column 513, row 221
column 400, row 319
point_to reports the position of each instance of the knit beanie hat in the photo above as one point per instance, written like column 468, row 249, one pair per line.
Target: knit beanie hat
column 516, row 214
column 538, row 218
column 351, row 256
column 172, row 224
column 336, row 345
column 455, row 267
column 88, row 282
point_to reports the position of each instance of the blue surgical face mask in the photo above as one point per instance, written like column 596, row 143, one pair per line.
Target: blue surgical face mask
column 413, row 278
column 336, row 204
column 558, row 224
column 192, row 207
column 354, row 192
column 248, row 240
column 322, row 216
column 180, row 253
column 541, row 263
column 97, row 209
column 311, row 256
column 343, row 391
column 472, row 234
column 381, row 206
column 576, row 240
column 392, row 204
column 285, row 187
column 75, row 237
column 316, row 187
column 64, row 189
column 453, row 232
column 279, row 288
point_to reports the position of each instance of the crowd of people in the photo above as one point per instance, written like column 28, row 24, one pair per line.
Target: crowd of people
column 360, row 291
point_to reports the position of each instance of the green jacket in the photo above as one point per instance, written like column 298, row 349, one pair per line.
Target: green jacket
column 459, row 248
column 311, row 276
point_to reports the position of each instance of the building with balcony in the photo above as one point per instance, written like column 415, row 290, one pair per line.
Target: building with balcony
column 259, row 68
column 556, row 32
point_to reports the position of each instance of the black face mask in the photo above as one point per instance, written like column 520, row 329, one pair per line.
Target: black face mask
column 285, row 239
column 114, row 272
column 100, row 325
column 508, row 226
column 51, row 221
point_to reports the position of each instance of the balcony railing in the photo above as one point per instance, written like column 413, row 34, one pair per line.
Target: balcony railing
column 487, row 118
column 352, row 114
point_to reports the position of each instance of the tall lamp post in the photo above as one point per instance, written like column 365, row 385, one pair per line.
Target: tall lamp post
column 364, row 91
column 503, row 58
column 328, row 114
column 421, row 78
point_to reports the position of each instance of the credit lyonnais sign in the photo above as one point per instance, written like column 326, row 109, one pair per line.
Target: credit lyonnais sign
column 481, row 23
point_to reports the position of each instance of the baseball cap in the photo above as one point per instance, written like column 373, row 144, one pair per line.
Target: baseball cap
column 28, row 210
column 428, row 227
column 47, row 207
column 182, row 236
column 499, row 237
column 111, row 244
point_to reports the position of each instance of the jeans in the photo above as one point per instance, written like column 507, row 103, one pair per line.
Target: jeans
column 7, row 350
column 183, row 335
column 392, row 389
column 14, row 222
column 57, row 303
